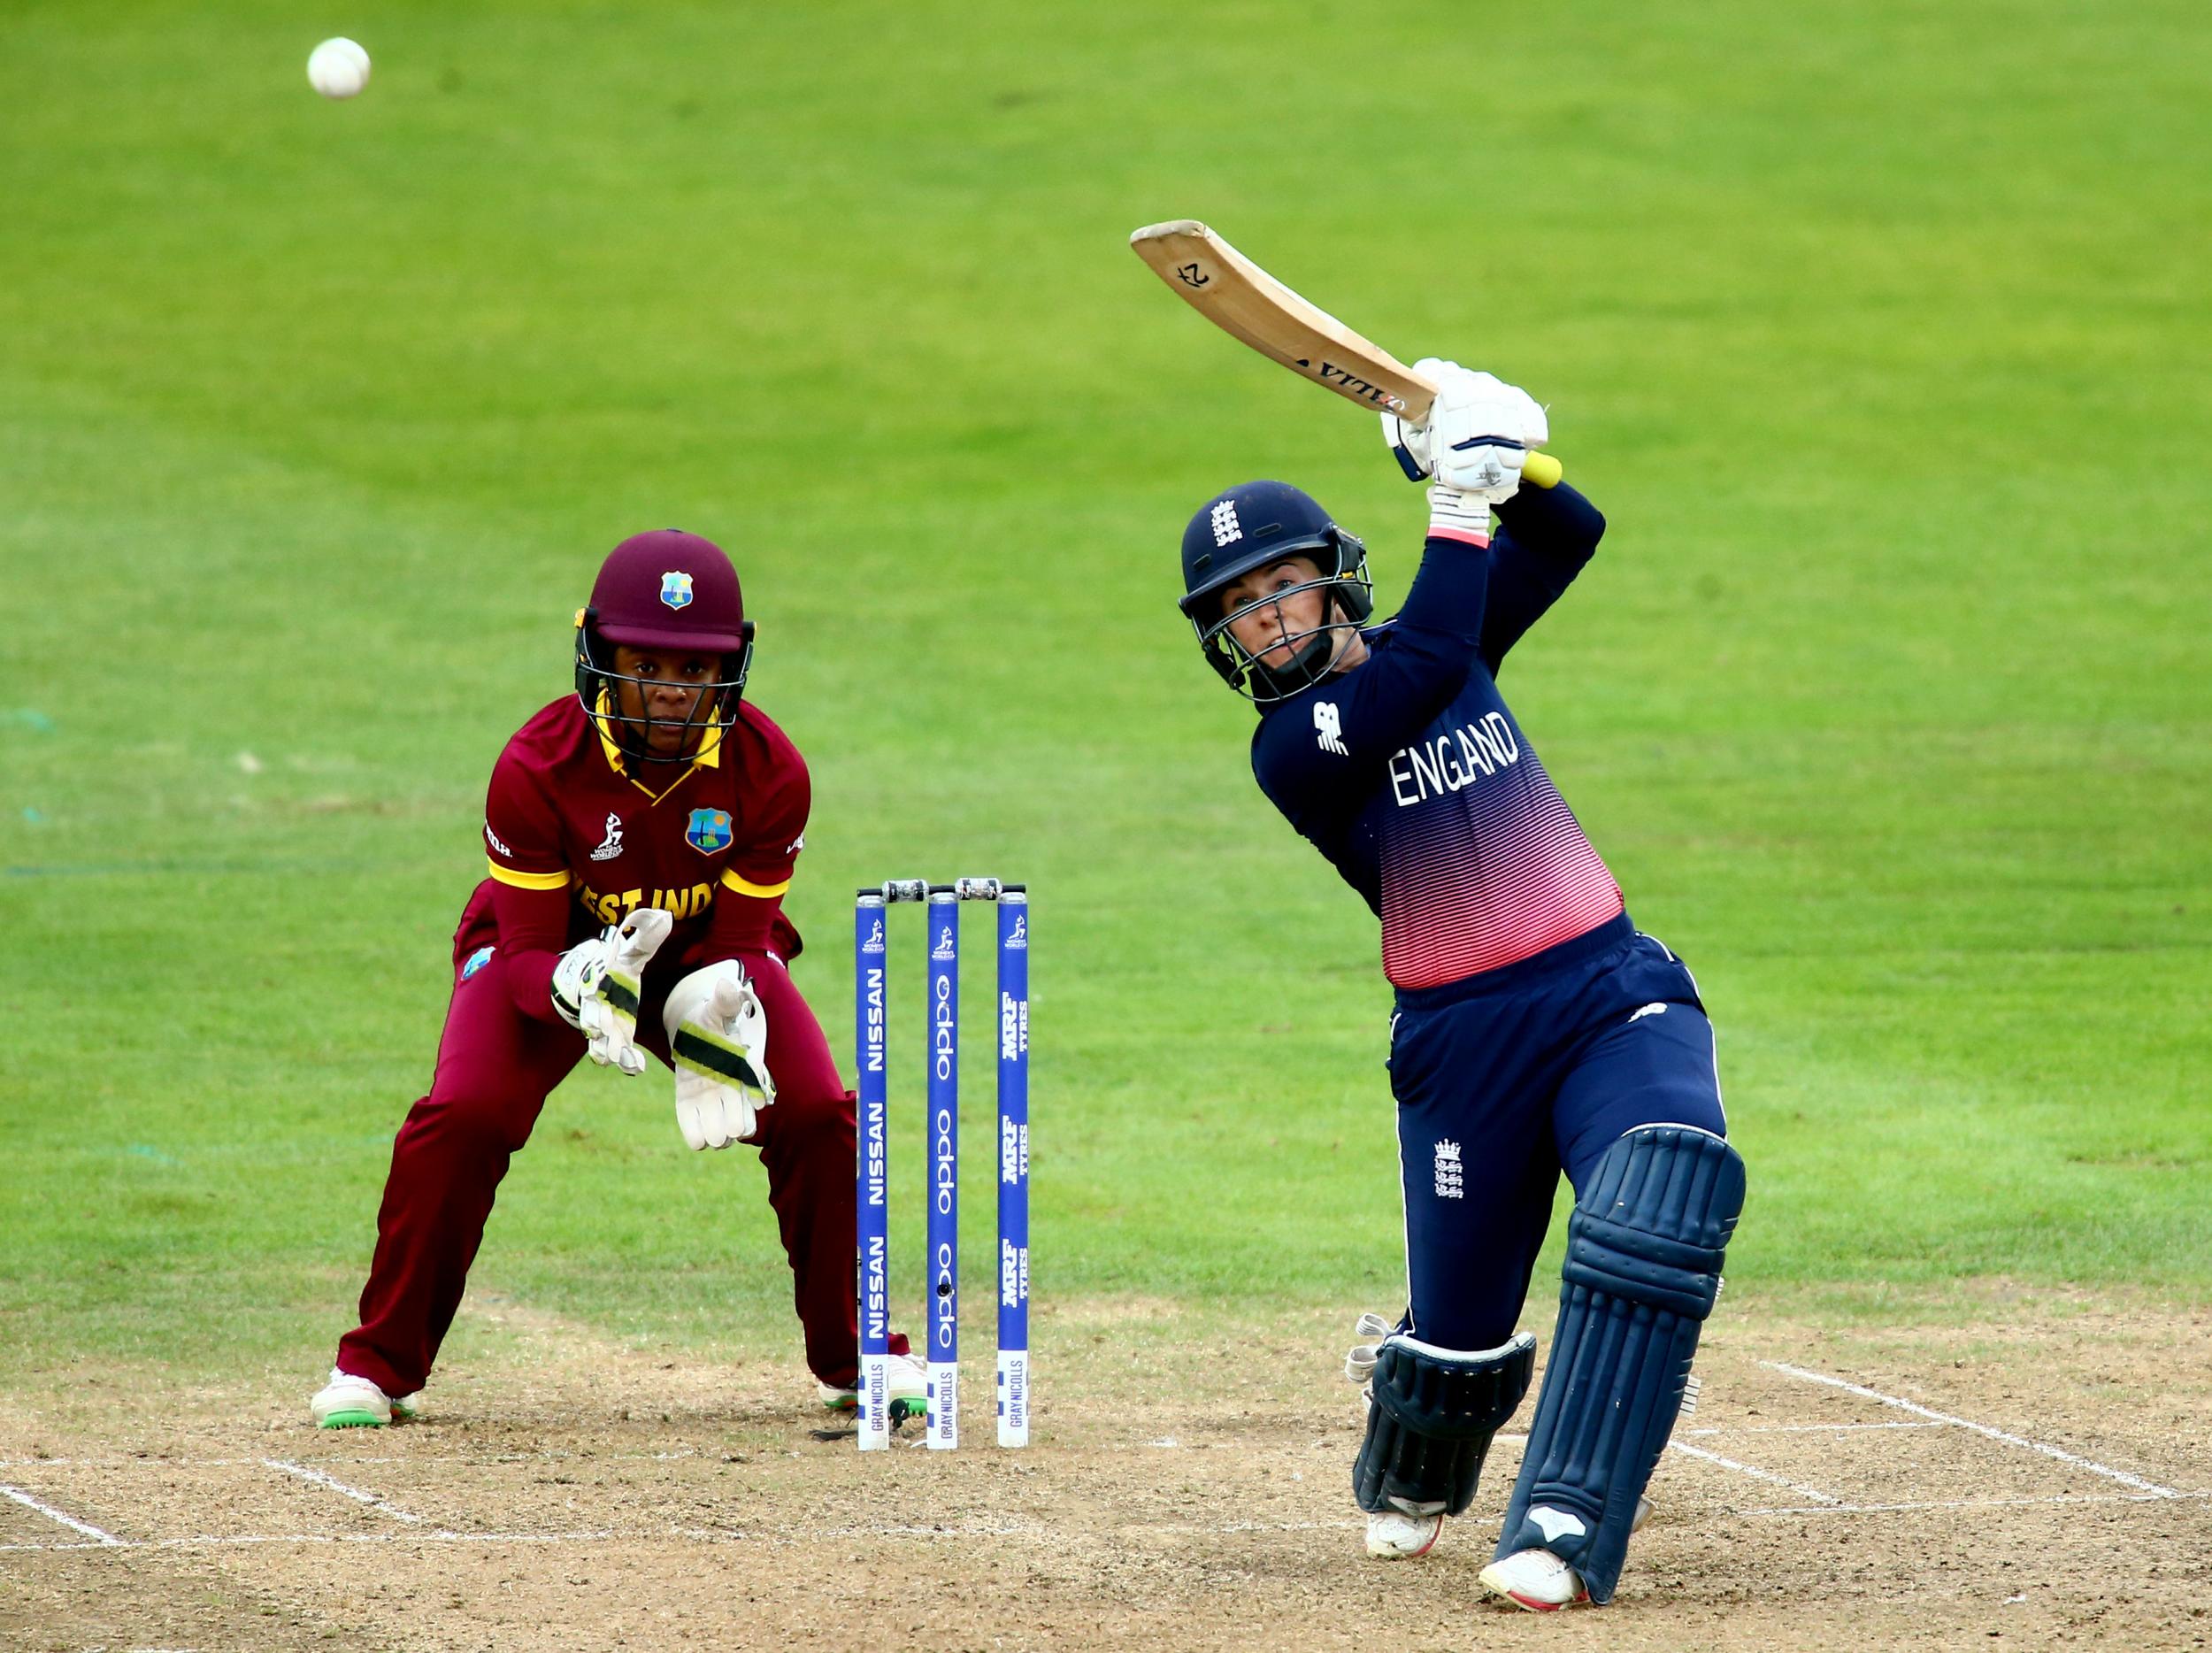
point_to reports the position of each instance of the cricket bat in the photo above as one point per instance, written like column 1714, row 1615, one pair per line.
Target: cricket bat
column 1245, row 302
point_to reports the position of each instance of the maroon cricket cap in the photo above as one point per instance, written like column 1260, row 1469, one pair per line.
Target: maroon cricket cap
column 669, row 589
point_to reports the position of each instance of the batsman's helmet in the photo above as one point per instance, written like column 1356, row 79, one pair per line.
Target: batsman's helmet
column 666, row 589
column 1254, row 526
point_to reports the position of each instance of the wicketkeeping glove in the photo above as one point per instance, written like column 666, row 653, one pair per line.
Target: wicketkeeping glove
column 1477, row 436
column 718, row 1036
column 596, row 987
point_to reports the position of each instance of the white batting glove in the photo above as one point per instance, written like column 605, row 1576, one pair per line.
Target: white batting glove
column 1478, row 433
column 596, row 986
column 1456, row 516
column 718, row 1036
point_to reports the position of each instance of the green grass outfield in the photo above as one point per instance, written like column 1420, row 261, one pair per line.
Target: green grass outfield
column 1879, row 333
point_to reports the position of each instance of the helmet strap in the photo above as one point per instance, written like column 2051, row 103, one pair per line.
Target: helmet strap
column 1311, row 663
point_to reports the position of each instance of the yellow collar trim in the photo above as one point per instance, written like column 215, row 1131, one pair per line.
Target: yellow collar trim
column 708, row 757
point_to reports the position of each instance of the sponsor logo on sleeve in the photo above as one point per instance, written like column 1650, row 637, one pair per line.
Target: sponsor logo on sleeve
column 491, row 838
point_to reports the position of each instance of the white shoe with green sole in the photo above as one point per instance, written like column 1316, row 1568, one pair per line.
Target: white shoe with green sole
column 350, row 1402
column 909, row 1391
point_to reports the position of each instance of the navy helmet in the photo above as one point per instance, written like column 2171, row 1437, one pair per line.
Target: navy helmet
column 1254, row 526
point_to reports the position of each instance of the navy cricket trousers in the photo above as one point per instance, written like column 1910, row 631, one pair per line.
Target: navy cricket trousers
column 1506, row 1078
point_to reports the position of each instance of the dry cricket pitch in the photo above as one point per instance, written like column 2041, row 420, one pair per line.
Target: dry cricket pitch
column 2034, row 1471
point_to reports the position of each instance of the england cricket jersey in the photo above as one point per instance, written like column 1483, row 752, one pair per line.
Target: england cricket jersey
column 1411, row 775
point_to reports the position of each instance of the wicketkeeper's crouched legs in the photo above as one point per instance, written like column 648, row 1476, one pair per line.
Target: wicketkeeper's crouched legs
column 1644, row 1251
column 807, row 1143
column 496, row 1067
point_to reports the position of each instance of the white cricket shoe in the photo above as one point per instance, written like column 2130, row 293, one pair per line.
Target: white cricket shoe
column 909, row 1387
column 1538, row 1581
column 350, row 1402
column 1393, row 1535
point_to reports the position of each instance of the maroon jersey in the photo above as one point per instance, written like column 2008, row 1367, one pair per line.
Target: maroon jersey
column 576, row 835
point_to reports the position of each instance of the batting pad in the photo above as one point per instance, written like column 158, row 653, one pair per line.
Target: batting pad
column 1644, row 1250
column 1431, row 1413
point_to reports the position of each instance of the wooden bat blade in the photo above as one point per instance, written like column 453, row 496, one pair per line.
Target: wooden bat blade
column 1247, row 304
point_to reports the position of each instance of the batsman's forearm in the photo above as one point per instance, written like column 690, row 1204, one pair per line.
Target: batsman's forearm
column 1554, row 521
column 1442, row 614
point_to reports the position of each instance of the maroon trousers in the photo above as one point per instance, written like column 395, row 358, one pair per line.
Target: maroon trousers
column 496, row 1067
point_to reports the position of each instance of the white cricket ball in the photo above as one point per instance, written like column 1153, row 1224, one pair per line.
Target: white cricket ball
column 338, row 68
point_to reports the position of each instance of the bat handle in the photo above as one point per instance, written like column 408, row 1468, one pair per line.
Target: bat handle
column 1540, row 470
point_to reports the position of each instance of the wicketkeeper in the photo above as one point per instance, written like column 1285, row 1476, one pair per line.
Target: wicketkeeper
column 1536, row 1029
column 640, row 834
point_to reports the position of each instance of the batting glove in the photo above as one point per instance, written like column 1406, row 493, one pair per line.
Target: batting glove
column 717, row 1038
column 596, row 986
column 1456, row 516
column 1477, row 436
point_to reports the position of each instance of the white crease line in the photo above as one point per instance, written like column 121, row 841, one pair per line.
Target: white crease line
column 550, row 1455
column 213, row 1540
column 106, row 1540
column 1761, row 1474
column 493, row 1460
column 951, row 1529
column 699, row 1534
column 2060, row 1453
column 1980, row 1503
column 1801, row 1429
column 143, row 1461
column 379, row 1505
